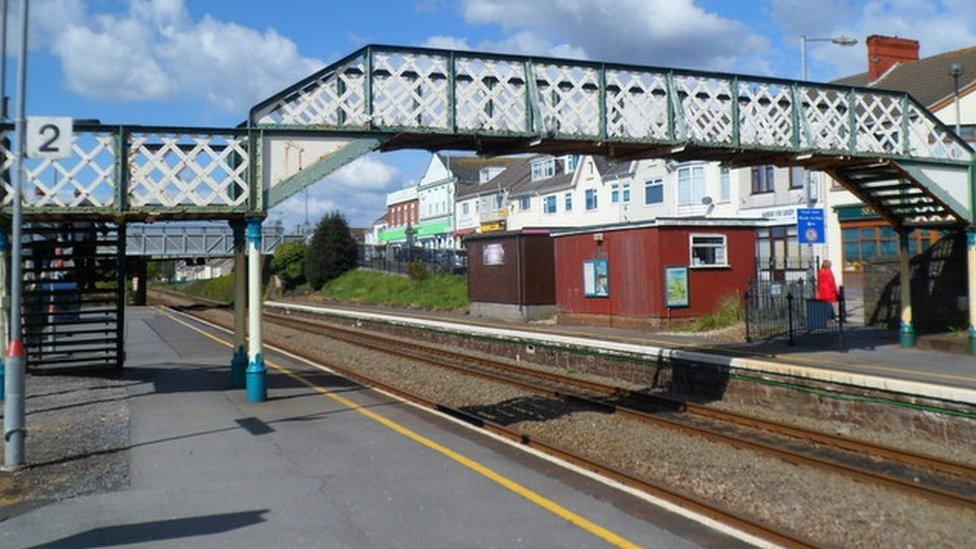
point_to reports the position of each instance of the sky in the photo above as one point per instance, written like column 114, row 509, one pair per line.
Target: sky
column 204, row 63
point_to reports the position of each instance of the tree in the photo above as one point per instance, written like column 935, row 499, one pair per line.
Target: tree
column 288, row 262
column 331, row 252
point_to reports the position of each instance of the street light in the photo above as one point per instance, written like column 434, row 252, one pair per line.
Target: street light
column 956, row 70
column 844, row 41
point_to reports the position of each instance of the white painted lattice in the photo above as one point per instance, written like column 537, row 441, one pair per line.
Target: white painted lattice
column 706, row 108
column 877, row 120
column 927, row 139
column 85, row 179
column 337, row 98
column 569, row 99
column 765, row 114
column 173, row 170
column 410, row 90
column 490, row 95
column 825, row 119
column 637, row 104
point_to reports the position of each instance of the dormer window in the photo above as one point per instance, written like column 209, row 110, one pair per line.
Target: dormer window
column 488, row 173
column 543, row 168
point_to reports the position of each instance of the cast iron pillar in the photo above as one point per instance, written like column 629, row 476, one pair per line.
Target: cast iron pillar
column 906, row 334
column 238, row 363
column 971, row 285
column 257, row 387
column 4, row 304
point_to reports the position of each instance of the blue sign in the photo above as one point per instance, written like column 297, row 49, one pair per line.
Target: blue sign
column 810, row 226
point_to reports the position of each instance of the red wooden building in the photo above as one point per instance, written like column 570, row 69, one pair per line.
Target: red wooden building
column 639, row 274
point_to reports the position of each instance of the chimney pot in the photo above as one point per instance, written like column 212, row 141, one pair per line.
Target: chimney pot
column 885, row 52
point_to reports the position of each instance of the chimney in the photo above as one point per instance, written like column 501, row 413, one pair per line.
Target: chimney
column 885, row 52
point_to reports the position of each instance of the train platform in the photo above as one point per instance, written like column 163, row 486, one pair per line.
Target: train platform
column 869, row 358
column 325, row 462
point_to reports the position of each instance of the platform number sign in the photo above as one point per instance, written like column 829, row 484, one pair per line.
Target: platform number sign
column 49, row 136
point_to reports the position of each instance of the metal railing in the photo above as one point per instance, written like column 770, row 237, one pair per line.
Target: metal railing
column 778, row 308
column 396, row 259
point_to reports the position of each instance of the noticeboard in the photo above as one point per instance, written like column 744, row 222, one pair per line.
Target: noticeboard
column 596, row 278
column 677, row 292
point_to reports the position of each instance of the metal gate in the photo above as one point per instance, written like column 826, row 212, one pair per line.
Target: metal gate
column 776, row 308
column 74, row 295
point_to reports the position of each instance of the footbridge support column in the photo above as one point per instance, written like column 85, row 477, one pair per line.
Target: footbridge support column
column 238, row 363
column 971, row 285
column 257, row 388
column 906, row 334
column 4, row 304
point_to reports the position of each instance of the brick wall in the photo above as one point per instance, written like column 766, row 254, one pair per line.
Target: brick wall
column 938, row 283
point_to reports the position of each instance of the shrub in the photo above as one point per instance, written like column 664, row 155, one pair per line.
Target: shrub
column 331, row 252
column 417, row 271
column 288, row 262
column 729, row 311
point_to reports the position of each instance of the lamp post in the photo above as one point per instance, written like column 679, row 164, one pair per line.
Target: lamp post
column 841, row 40
column 956, row 70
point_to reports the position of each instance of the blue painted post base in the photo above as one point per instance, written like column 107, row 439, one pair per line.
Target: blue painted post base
column 238, row 365
column 972, row 340
column 257, row 380
column 906, row 336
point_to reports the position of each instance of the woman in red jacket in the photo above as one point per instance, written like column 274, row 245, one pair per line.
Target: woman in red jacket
column 827, row 286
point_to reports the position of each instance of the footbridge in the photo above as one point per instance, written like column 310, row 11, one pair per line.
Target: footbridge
column 185, row 240
column 883, row 146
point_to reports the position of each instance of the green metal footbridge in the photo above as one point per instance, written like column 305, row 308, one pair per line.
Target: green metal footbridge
column 883, row 146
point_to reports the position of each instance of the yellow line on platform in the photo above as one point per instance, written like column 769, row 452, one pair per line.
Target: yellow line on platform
column 599, row 531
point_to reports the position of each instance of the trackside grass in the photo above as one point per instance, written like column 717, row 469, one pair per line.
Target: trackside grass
column 448, row 292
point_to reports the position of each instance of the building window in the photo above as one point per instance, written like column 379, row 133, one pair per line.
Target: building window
column 654, row 191
column 691, row 185
column 614, row 193
column 861, row 244
column 525, row 203
column 725, row 183
column 543, row 169
column 549, row 204
column 464, row 208
column 572, row 162
column 498, row 201
column 626, row 193
column 591, row 202
column 568, row 202
column 709, row 250
column 797, row 176
column 762, row 179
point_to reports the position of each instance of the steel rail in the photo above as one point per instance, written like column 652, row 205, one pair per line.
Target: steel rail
column 679, row 497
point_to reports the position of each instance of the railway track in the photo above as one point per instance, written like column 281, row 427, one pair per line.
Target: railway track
column 634, row 404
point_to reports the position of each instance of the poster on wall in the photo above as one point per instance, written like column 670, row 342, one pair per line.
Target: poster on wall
column 493, row 254
column 596, row 278
column 676, row 290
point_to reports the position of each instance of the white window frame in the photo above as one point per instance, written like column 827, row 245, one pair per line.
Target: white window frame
column 543, row 169
column 724, row 247
column 525, row 203
column 614, row 193
column 691, row 181
column 596, row 200
column 724, row 183
column 568, row 202
column 464, row 209
column 545, row 204
column 656, row 182
column 625, row 193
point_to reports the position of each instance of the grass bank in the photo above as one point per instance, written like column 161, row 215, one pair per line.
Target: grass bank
column 447, row 292
column 217, row 289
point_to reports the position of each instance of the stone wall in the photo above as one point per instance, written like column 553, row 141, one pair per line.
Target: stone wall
column 938, row 288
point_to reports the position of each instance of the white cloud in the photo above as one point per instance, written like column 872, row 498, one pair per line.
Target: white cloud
column 366, row 173
column 939, row 25
column 664, row 32
column 446, row 43
column 155, row 50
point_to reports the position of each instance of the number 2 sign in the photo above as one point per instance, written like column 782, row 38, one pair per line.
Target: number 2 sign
column 49, row 136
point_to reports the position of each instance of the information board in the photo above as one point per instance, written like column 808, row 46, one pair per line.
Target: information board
column 810, row 226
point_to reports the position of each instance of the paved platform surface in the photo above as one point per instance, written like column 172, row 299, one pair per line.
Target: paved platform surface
column 303, row 469
column 865, row 352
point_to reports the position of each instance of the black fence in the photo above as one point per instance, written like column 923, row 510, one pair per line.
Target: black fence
column 790, row 309
column 395, row 259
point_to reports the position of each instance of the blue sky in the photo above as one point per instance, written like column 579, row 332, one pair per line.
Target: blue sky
column 191, row 62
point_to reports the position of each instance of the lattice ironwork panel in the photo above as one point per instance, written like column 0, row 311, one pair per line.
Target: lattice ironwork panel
column 705, row 105
column 569, row 99
column 86, row 179
column 337, row 98
column 765, row 113
column 636, row 104
column 824, row 120
column 410, row 90
column 199, row 170
column 877, row 120
column 926, row 139
column 490, row 94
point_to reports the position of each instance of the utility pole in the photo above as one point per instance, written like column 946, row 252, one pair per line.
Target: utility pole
column 13, row 407
column 807, row 182
column 956, row 70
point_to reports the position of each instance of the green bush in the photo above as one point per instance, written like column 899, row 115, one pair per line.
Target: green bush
column 331, row 252
column 218, row 289
column 417, row 271
column 729, row 311
column 441, row 291
column 288, row 262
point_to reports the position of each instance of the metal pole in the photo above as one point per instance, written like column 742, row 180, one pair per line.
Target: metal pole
column 4, row 248
column 803, row 55
column 238, row 363
column 13, row 409
column 256, row 378
column 906, row 334
column 3, row 61
column 955, row 85
column 971, row 285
